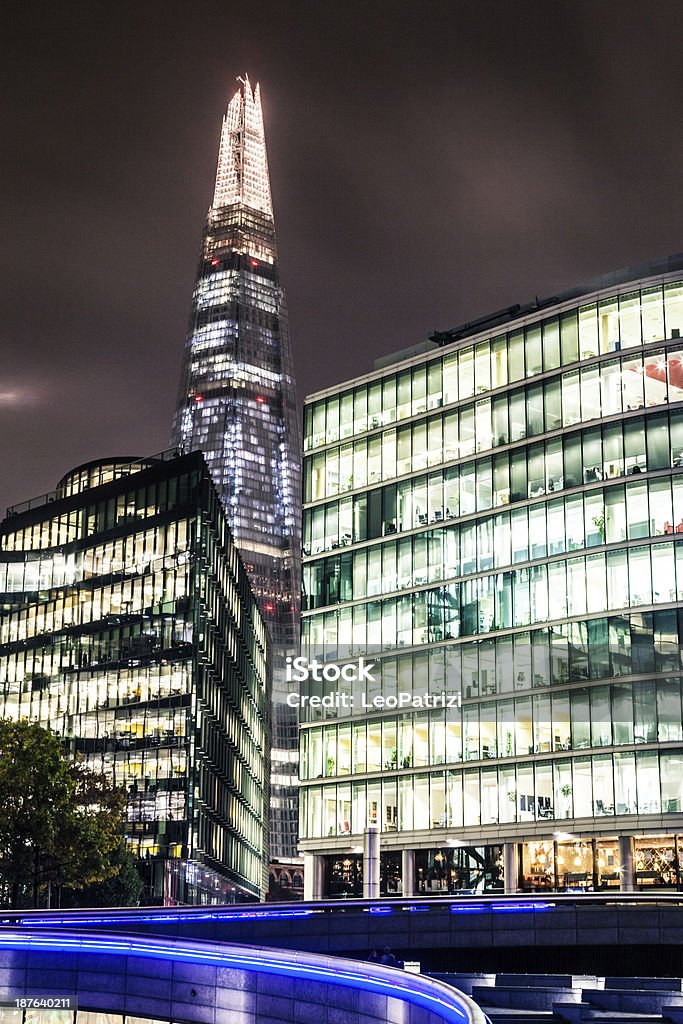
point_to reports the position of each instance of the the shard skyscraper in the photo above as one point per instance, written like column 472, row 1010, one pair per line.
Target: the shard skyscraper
column 237, row 403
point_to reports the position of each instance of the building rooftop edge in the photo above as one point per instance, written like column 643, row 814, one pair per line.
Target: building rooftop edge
column 113, row 460
column 144, row 462
column 509, row 314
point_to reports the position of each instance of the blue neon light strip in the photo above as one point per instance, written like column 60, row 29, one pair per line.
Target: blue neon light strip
column 190, row 915
column 454, row 1008
column 471, row 907
column 162, row 918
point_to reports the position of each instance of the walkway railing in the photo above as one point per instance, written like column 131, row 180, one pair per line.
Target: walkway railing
column 467, row 904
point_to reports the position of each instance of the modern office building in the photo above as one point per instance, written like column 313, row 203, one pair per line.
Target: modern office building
column 495, row 520
column 237, row 404
column 128, row 626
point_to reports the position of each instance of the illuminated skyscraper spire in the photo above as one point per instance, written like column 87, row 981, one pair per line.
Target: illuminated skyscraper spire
column 242, row 175
column 237, row 403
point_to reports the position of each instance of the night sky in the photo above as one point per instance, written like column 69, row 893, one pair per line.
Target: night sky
column 430, row 161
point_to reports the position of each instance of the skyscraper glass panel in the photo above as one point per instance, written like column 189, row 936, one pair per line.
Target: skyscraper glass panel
column 237, row 404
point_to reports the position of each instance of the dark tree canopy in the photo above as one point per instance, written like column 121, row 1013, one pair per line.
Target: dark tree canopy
column 61, row 823
column 122, row 889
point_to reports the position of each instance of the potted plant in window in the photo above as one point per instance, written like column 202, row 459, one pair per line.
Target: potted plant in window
column 393, row 760
column 566, row 793
column 599, row 522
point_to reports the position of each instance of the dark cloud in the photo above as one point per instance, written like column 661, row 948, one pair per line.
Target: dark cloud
column 430, row 162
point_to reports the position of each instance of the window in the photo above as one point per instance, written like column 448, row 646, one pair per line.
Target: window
column 551, row 344
column 534, row 359
column 516, row 356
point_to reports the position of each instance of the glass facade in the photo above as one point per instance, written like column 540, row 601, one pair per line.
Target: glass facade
column 237, row 404
column 498, row 524
column 129, row 628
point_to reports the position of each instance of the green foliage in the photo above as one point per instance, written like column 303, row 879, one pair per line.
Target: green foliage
column 60, row 822
column 122, row 889
column 599, row 522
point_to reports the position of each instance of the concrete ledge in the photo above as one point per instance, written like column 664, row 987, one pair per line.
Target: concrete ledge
column 573, row 1013
column 626, row 1000
column 535, row 980
column 464, row 982
column 645, row 984
column 515, row 997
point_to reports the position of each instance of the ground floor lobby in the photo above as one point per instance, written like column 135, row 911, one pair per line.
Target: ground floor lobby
column 557, row 863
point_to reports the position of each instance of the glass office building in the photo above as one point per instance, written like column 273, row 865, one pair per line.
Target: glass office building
column 496, row 522
column 237, row 404
column 128, row 626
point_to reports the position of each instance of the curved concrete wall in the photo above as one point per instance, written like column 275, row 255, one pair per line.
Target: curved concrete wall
column 212, row 983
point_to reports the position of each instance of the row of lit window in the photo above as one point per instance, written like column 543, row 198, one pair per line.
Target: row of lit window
column 156, row 805
column 143, row 847
column 75, row 608
column 215, row 288
column 624, row 578
column 96, row 476
column 152, row 681
column 612, row 324
column 548, row 792
column 47, row 685
column 632, row 447
column 625, row 712
column 82, row 524
column 473, row 429
column 595, row 649
column 153, row 724
column 128, row 767
column 155, row 549
column 67, row 700
column 618, row 513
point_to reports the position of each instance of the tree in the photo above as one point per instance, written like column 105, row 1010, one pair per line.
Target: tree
column 123, row 889
column 60, row 822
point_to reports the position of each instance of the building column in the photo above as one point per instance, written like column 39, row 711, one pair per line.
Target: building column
column 511, row 866
column 314, row 876
column 408, row 872
column 627, row 863
column 371, row 863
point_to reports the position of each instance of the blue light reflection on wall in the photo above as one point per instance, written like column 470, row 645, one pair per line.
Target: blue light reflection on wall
column 451, row 1006
column 508, row 908
column 189, row 916
column 142, row 918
